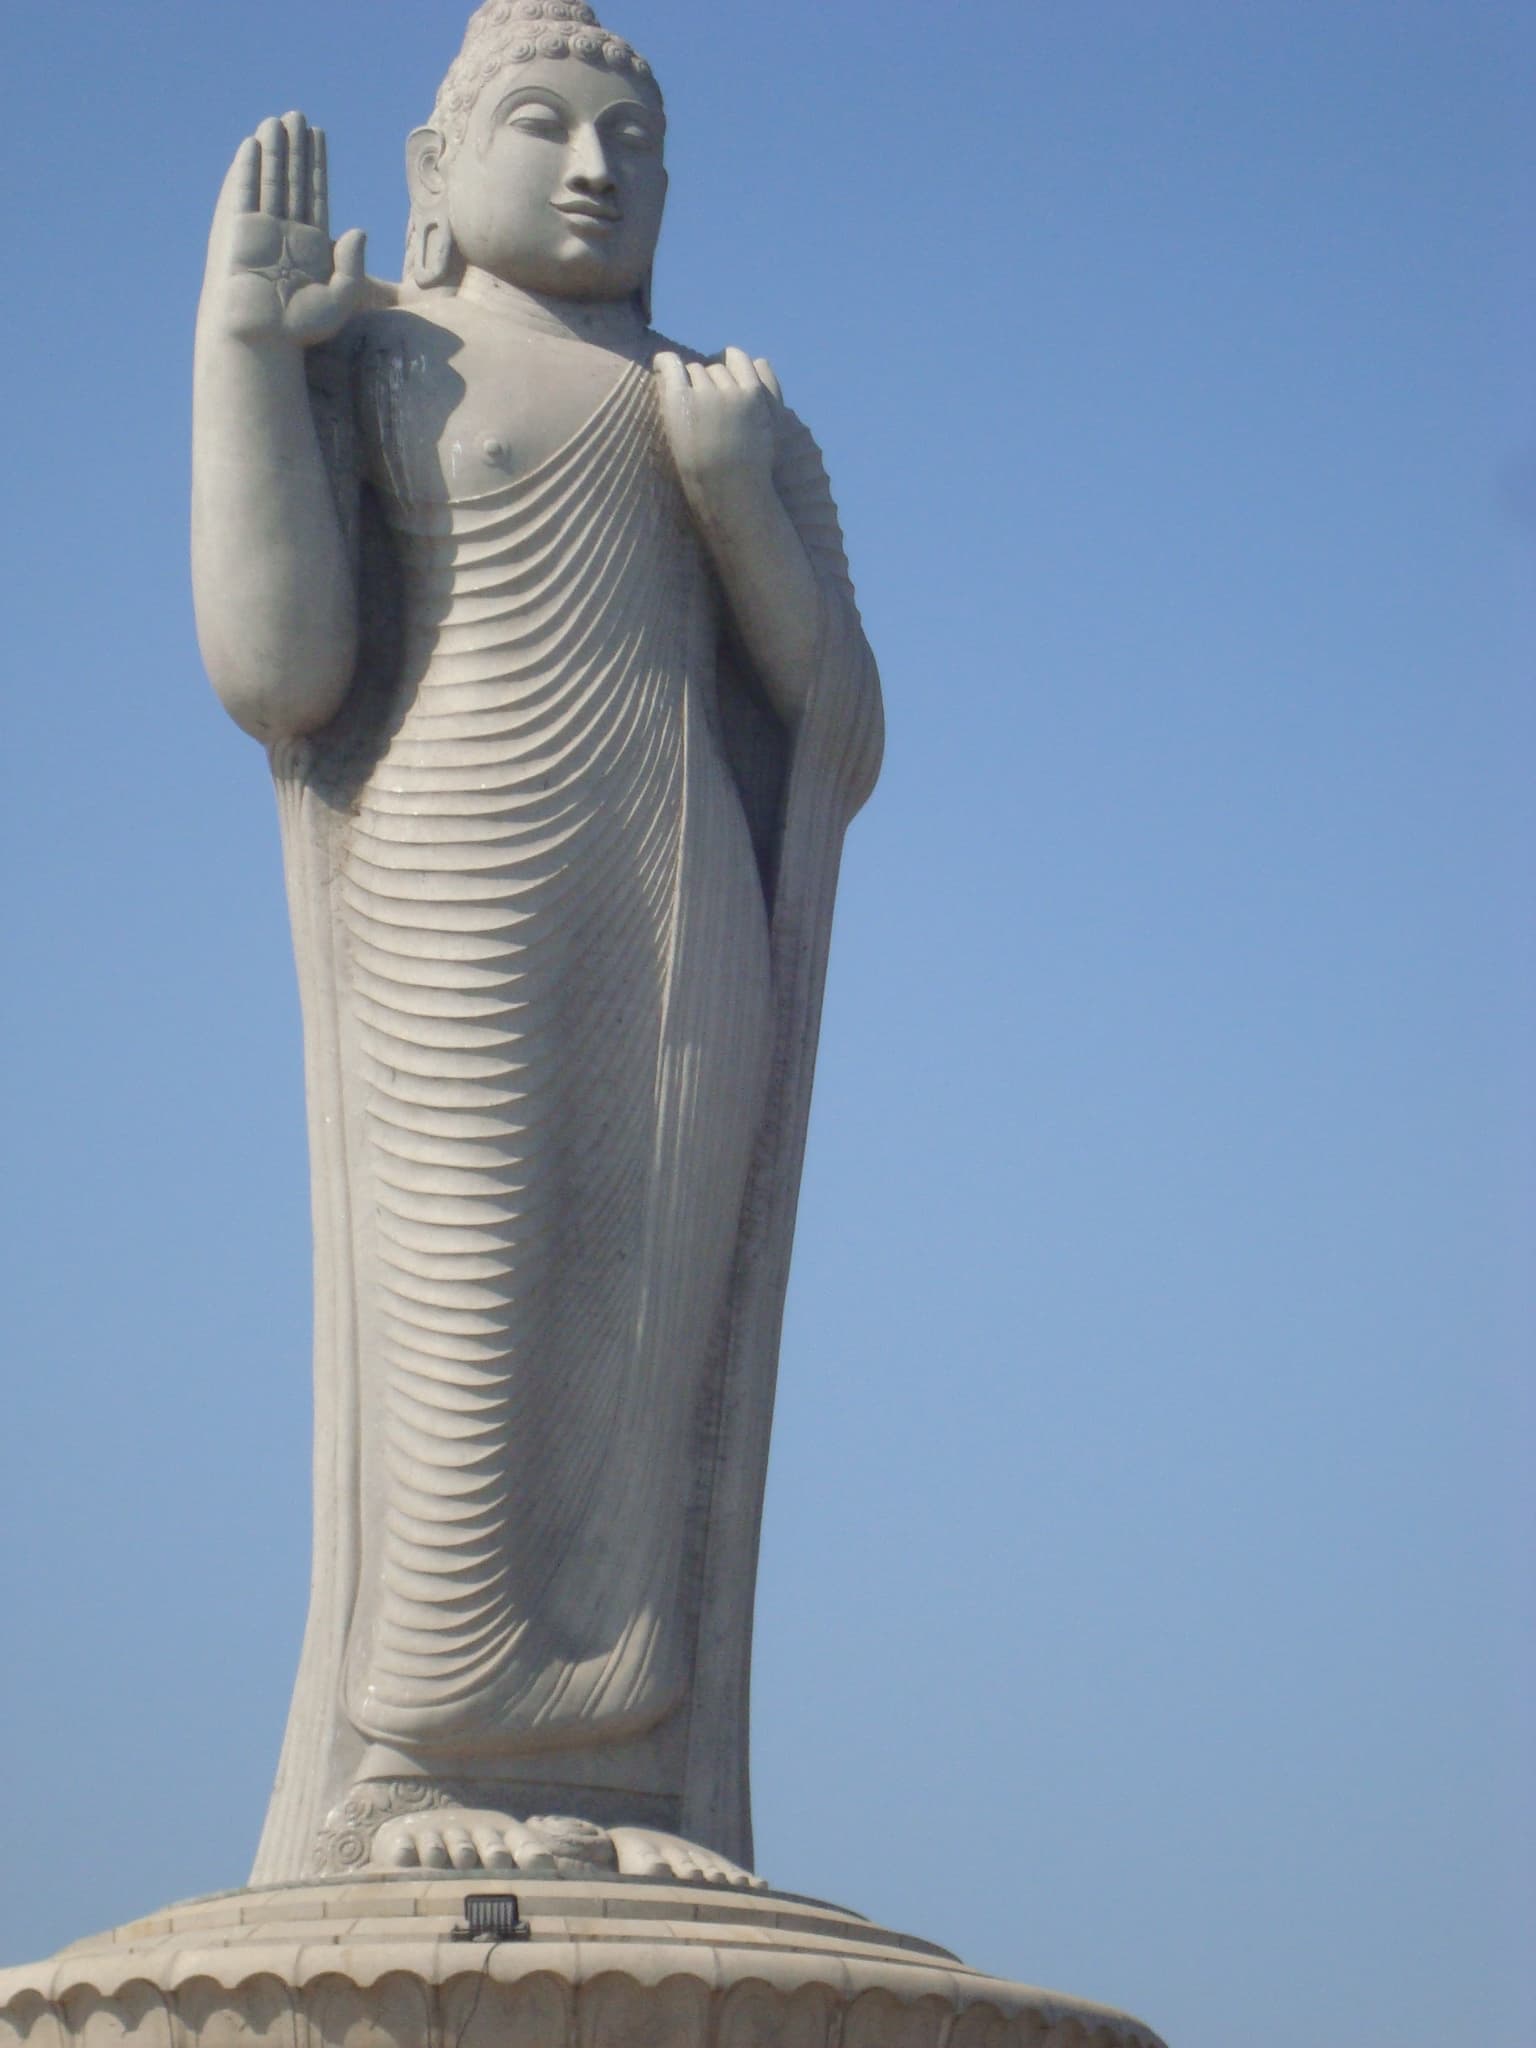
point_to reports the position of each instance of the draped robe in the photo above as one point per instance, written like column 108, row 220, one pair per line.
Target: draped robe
column 561, row 886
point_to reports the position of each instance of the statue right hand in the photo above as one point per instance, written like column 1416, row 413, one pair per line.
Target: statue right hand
column 273, row 275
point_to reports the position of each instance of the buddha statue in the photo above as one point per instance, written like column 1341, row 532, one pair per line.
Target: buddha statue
column 545, row 623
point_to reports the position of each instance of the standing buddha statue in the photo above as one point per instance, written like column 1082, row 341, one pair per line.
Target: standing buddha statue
column 546, row 625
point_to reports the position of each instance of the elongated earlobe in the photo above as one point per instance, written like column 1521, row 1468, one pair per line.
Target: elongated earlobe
column 429, row 252
column 430, row 256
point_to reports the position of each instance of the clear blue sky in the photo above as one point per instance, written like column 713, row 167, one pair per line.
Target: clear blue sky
column 1147, row 1588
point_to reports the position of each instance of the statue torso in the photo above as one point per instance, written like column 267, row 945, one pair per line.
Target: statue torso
column 552, row 952
column 472, row 401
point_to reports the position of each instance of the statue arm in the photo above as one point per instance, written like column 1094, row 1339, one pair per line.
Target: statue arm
column 843, row 710
column 272, row 581
column 755, row 481
column 276, row 609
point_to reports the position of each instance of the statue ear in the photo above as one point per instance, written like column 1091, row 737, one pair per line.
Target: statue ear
column 429, row 252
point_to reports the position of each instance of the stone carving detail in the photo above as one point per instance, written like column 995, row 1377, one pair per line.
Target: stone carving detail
column 514, row 32
column 402, row 2010
column 345, row 1841
column 982, row 2026
column 755, row 2015
column 609, row 1963
column 546, row 625
column 357, row 1833
column 670, row 2014
column 881, row 2019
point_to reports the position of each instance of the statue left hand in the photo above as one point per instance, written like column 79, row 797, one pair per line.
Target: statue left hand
column 720, row 424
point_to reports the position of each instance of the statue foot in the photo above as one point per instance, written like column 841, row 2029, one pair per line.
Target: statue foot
column 471, row 1838
column 643, row 1852
column 547, row 1845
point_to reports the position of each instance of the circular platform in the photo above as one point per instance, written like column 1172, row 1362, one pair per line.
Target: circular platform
column 372, row 1962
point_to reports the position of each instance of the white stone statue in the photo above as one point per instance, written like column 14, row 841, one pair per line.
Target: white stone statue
column 546, row 624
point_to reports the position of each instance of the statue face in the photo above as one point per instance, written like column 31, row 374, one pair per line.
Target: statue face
column 558, row 185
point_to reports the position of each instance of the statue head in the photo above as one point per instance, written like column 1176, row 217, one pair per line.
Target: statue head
column 542, row 164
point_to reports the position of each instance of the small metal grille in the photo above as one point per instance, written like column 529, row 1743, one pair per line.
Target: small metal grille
column 493, row 1916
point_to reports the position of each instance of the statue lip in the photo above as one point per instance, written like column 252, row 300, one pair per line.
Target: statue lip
column 585, row 209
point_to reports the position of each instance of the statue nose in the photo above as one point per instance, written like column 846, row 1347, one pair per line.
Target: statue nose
column 589, row 169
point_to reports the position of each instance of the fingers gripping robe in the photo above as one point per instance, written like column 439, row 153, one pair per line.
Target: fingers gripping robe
column 272, row 272
column 721, row 421
column 750, row 374
column 728, row 428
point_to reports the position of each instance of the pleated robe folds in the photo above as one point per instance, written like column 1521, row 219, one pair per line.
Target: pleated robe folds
column 561, row 887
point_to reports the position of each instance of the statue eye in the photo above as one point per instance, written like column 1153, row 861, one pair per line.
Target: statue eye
column 534, row 118
column 636, row 135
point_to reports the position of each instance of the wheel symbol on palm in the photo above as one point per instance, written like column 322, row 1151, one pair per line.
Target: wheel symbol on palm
column 277, row 273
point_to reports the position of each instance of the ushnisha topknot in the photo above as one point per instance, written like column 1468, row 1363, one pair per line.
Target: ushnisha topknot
column 506, row 32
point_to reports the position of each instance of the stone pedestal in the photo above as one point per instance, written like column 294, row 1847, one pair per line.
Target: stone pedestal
column 371, row 1962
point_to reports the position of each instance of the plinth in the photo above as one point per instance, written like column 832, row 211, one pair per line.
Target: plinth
column 371, row 1962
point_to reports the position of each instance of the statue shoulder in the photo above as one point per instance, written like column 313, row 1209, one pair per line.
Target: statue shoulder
column 373, row 340
column 393, row 334
column 387, row 370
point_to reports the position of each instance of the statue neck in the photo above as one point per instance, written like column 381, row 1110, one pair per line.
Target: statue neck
column 605, row 323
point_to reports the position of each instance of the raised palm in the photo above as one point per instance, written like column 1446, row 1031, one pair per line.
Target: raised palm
column 273, row 273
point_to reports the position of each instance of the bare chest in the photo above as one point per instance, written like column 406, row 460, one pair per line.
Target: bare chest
column 509, row 426
column 453, row 426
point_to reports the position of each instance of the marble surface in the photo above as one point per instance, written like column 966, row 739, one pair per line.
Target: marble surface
column 622, row 1961
column 545, row 622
